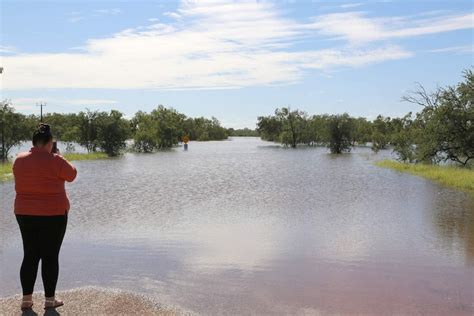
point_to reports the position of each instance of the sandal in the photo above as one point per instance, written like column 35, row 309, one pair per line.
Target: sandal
column 52, row 303
column 28, row 307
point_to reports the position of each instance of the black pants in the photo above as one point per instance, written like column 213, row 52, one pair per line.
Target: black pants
column 42, row 238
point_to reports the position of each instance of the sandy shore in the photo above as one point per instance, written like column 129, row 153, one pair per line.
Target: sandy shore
column 89, row 301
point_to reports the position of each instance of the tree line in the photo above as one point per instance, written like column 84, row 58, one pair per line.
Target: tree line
column 108, row 131
column 442, row 131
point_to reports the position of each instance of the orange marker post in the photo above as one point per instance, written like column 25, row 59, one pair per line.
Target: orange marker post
column 185, row 141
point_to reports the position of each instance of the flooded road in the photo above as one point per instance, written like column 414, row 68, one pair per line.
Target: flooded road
column 247, row 227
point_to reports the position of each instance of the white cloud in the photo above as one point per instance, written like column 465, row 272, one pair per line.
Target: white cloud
column 30, row 103
column 466, row 49
column 88, row 102
column 75, row 19
column 356, row 27
column 113, row 11
column 350, row 5
column 77, row 16
column 172, row 15
column 25, row 104
column 220, row 45
column 352, row 57
column 6, row 49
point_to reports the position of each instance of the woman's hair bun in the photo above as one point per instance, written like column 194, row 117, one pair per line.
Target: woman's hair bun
column 44, row 128
column 42, row 134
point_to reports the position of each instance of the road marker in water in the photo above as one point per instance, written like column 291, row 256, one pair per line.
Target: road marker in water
column 185, row 141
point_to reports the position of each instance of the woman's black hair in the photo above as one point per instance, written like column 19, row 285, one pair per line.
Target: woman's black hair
column 42, row 135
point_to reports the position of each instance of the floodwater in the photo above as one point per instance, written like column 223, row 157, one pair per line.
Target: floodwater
column 247, row 227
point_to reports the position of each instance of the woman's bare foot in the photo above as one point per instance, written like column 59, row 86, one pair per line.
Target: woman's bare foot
column 27, row 302
column 51, row 302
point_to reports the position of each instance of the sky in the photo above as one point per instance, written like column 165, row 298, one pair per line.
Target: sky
column 234, row 60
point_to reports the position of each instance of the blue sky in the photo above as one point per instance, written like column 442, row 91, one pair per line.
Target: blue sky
column 231, row 60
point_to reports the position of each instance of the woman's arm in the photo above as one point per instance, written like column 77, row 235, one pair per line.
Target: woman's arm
column 67, row 171
column 16, row 163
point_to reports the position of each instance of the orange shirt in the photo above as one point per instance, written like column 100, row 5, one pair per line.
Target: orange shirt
column 39, row 183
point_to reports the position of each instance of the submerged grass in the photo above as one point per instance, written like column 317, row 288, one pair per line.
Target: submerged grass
column 85, row 156
column 5, row 171
column 6, row 167
column 455, row 177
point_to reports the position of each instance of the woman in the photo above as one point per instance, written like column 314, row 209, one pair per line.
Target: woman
column 41, row 207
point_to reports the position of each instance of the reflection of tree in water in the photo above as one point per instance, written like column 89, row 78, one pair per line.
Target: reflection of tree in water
column 454, row 220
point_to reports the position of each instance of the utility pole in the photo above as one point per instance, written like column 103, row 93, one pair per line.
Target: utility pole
column 41, row 109
column 4, row 108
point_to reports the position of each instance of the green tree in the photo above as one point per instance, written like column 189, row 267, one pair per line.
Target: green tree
column 113, row 131
column 293, row 126
column 144, row 133
column 446, row 121
column 404, row 139
column 340, row 129
column 216, row 131
column 362, row 131
column 87, row 130
column 318, row 129
column 269, row 128
column 168, row 125
column 380, row 133
column 14, row 129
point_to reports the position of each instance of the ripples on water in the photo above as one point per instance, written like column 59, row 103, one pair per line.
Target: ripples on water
column 243, row 226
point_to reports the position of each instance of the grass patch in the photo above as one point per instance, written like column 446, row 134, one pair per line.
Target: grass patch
column 454, row 177
column 6, row 172
column 85, row 156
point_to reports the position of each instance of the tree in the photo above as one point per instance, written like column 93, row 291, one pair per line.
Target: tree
column 168, row 125
column 14, row 128
column 59, row 123
column 362, row 131
column 340, row 129
column 144, row 139
column 269, row 127
column 404, row 139
column 87, row 130
column 113, row 131
column 216, row 131
column 446, row 121
column 293, row 126
column 318, row 129
column 380, row 133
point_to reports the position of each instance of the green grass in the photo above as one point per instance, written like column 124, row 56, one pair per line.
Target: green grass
column 455, row 177
column 85, row 156
column 6, row 168
column 5, row 171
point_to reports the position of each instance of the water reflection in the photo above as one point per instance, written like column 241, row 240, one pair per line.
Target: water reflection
column 453, row 218
column 244, row 226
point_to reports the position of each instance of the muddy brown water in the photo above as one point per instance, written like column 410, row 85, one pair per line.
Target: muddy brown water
column 247, row 227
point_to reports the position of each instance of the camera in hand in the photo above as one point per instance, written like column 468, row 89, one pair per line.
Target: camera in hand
column 55, row 150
